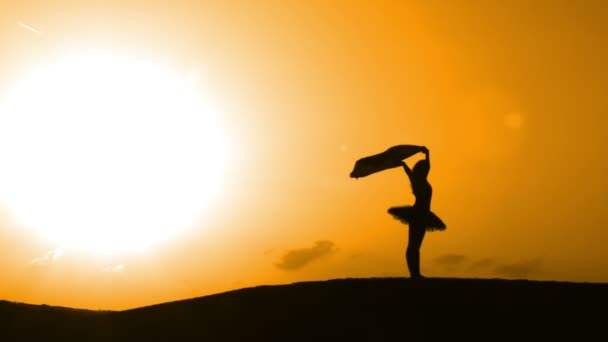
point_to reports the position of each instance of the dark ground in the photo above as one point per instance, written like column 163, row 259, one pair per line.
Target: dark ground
column 370, row 309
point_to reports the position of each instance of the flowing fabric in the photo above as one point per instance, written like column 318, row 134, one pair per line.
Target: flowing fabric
column 388, row 159
column 408, row 215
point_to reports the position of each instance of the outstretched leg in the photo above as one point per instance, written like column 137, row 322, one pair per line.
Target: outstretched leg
column 412, row 254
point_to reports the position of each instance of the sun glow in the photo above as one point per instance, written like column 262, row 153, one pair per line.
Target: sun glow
column 107, row 153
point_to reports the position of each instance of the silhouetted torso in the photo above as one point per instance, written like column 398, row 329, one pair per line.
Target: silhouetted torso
column 423, row 192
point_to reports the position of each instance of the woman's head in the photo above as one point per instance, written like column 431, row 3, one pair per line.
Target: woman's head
column 421, row 169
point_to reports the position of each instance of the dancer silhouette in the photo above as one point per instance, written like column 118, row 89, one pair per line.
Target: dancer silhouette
column 419, row 217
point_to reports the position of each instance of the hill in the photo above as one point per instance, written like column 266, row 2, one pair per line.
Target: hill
column 369, row 309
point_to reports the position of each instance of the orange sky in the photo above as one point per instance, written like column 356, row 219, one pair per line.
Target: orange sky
column 509, row 98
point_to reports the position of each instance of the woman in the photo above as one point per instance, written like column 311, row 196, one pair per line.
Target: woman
column 419, row 216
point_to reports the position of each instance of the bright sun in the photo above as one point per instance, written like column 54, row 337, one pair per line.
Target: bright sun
column 108, row 154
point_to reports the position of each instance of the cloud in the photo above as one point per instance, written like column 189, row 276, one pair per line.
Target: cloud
column 357, row 255
column 450, row 261
column 48, row 259
column 520, row 269
column 484, row 263
column 298, row 258
column 113, row 269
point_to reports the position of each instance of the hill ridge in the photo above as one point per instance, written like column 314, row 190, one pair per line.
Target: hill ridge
column 336, row 309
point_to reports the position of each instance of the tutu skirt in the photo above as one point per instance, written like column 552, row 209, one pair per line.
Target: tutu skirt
column 410, row 215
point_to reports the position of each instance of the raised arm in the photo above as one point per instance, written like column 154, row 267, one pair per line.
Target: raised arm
column 407, row 170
